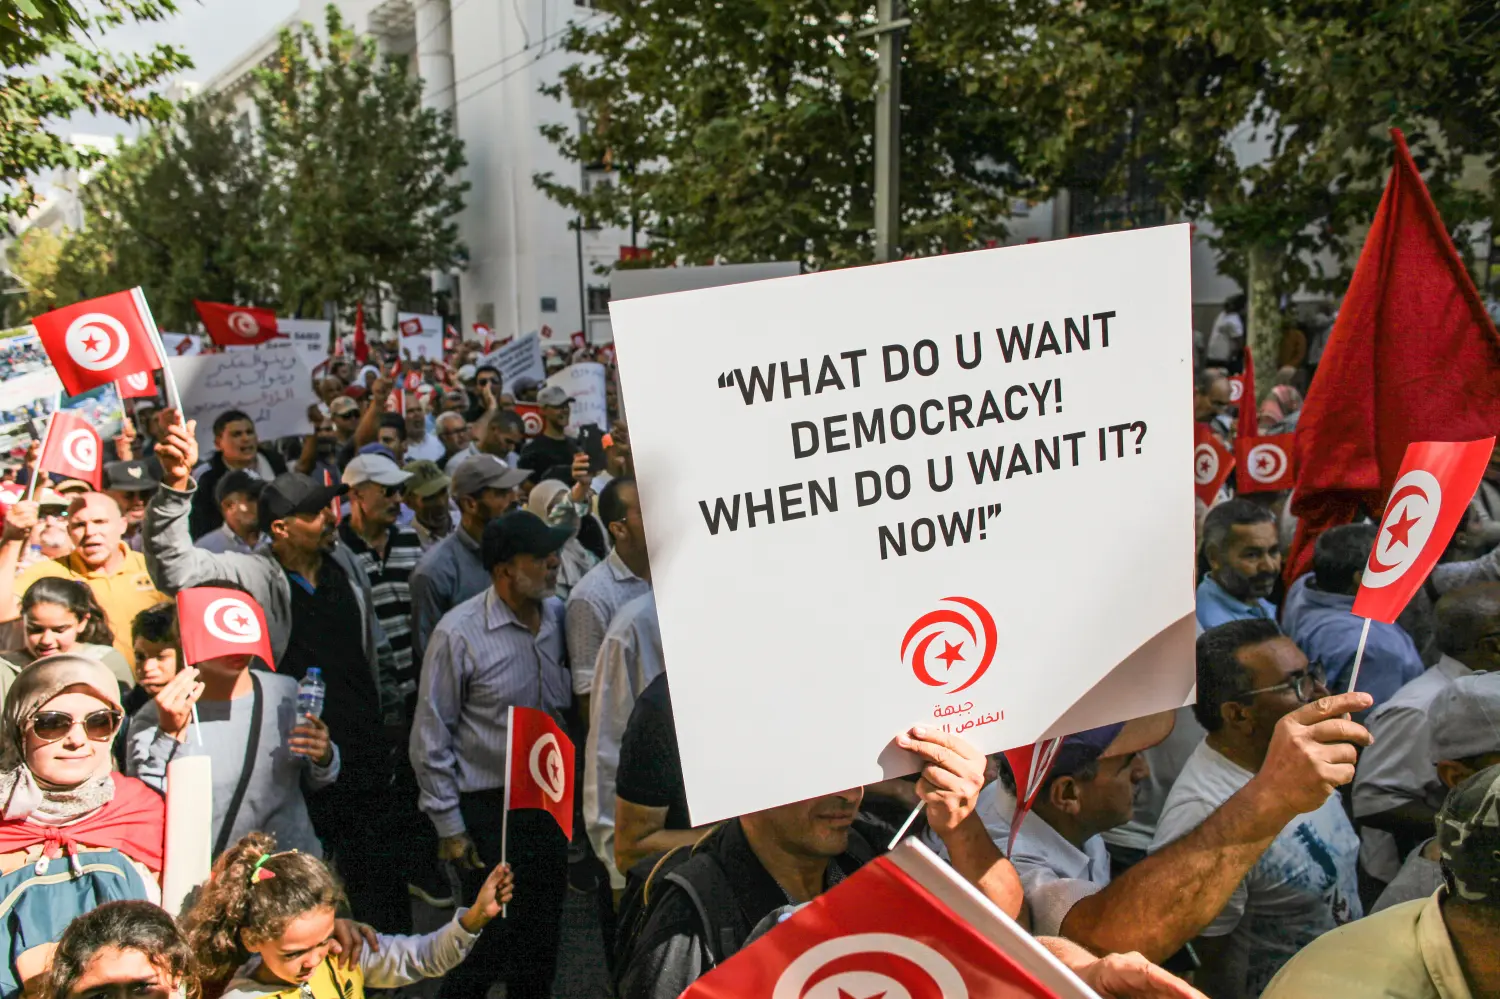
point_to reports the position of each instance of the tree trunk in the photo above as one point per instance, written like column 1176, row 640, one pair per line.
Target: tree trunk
column 1263, row 315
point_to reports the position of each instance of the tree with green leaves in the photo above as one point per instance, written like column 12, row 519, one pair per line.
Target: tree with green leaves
column 1270, row 120
column 741, row 130
column 360, row 177
column 52, row 69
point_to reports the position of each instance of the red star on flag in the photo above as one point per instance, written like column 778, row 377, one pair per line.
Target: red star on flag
column 1400, row 531
column 92, row 343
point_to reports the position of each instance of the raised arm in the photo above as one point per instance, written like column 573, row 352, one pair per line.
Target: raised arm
column 1168, row 898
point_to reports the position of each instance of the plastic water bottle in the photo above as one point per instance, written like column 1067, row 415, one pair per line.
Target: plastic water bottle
column 310, row 693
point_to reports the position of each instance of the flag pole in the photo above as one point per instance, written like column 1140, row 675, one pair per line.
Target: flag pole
column 1359, row 655
column 510, row 745
column 36, row 473
column 174, row 400
column 907, row 824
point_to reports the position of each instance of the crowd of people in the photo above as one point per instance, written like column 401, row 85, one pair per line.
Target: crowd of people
column 1284, row 836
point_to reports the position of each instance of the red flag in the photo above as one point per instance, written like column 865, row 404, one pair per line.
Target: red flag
column 579, row 340
column 410, row 327
column 540, row 758
column 338, row 513
column 396, row 402
column 1242, row 392
column 215, row 622
column 141, row 385
column 1029, row 766
column 485, row 336
column 902, row 925
column 1413, row 356
column 1266, row 463
column 236, row 325
column 99, row 341
column 1428, row 501
column 413, row 379
column 73, row 448
column 531, row 418
column 1212, row 463
column 361, row 348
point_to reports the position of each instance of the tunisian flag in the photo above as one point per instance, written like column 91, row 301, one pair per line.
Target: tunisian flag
column 902, row 925
column 1427, row 503
column 215, row 621
column 99, row 341
column 540, row 757
column 72, row 448
column 1265, row 463
column 141, row 385
column 1212, row 463
column 1412, row 357
column 236, row 325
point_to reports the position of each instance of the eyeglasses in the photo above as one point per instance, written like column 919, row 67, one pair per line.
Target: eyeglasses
column 50, row 726
column 1303, row 683
column 347, row 414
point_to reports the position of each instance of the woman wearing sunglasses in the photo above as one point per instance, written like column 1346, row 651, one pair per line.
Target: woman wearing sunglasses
column 73, row 835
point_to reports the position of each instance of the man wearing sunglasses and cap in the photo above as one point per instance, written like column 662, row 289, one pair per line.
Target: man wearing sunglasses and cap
column 320, row 611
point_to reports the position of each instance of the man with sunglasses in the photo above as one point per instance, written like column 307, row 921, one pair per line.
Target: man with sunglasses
column 1304, row 882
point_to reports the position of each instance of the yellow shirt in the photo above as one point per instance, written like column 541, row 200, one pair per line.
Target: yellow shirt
column 326, row 983
column 1403, row 952
column 123, row 593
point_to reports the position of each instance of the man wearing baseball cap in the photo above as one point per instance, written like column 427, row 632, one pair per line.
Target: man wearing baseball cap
column 1443, row 946
column 427, row 499
column 551, row 447
column 131, row 484
column 484, row 487
column 1464, row 739
column 500, row 648
column 319, row 609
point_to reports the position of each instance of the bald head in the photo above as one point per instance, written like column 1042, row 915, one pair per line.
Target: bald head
column 1468, row 625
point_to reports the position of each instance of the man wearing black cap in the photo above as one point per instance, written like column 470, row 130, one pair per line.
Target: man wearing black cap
column 238, row 496
column 319, row 612
column 131, row 484
column 501, row 648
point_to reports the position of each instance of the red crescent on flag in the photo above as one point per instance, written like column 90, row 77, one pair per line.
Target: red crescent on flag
column 988, row 624
column 917, row 981
column 1401, row 494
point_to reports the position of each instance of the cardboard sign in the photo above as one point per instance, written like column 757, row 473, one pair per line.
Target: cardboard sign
column 310, row 337
column 584, row 383
column 270, row 382
column 904, row 533
column 419, row 336
column 519, row 361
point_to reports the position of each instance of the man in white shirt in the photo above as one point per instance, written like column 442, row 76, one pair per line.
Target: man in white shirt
column 624, row 575
column 1396, row 791
column 629, row 659
column 1251, row 679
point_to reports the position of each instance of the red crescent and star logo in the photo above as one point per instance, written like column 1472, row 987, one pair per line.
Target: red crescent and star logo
column 1412, row 513
column 966, row 631
column 871, row 966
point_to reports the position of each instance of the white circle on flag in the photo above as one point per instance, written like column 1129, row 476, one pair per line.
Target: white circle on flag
column 138, row 381
column 81, row 449
column 548, row 771
column 1266, row 462
column 1236, row 389
column 1205, row 464
column 1416, row 502
column 243, row 324
column 230, row 619
column 531, row 423
column 96, row 341
column 802, row 978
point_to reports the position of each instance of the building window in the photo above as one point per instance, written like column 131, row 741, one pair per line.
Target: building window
column 598, row 299
column 549, row 305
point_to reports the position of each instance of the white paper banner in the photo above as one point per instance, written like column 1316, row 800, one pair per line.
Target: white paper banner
column 310, row 336
column 181, row 345
column 270, row 382
column 584, row 384
column 519, row 362
column 951, row 491
column 426, row 343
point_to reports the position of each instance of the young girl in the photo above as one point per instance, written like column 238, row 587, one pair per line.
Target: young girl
column 62, row 615
column 122, row 949
column 265, row 920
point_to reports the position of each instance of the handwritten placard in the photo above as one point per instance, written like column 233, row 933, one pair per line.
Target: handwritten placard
column 584, row 383
column 270, row 382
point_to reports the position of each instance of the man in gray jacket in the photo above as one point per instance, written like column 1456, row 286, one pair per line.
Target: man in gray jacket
column 319, row 612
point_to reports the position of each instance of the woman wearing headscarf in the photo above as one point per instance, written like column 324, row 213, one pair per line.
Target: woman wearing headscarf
column 551, row 500
column 73, row 835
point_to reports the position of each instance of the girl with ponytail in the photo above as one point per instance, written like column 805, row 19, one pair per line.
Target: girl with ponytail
column 266, row 922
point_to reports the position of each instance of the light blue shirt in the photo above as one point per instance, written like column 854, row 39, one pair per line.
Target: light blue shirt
column 1326, row 630
column 1216, row 606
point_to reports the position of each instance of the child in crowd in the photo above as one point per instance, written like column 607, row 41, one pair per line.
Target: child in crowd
column 62, row 615
column 265, row 921
column 126, row 948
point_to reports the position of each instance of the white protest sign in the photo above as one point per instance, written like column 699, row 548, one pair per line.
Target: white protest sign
column 310, row 336
column 181, row 345
column 420, row 336
column 950, row 491
column 270, row 382
column 584, row 383
column 519, row 362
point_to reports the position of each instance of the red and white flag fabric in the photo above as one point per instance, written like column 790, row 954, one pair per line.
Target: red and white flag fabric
column 1432, row 492
column 1242, row 394
column 141, row 385
column 73, row 448
column 361, row 345
column 485, row 336
column 1029, row 765
column 410, row 327
column 1266, row 464
column 904, row 925
column 540, row 758
column 531, row 418
column 396, row 402
column 579, row 339
column 214, row 621
column 412, row 380
column 1212, row 463
column 607, row 353
column 100, row 341
column 236, row 325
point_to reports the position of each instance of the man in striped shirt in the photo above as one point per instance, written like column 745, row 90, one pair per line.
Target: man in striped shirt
column 388, row 553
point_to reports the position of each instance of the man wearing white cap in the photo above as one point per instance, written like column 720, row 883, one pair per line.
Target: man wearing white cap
column 387, row 552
